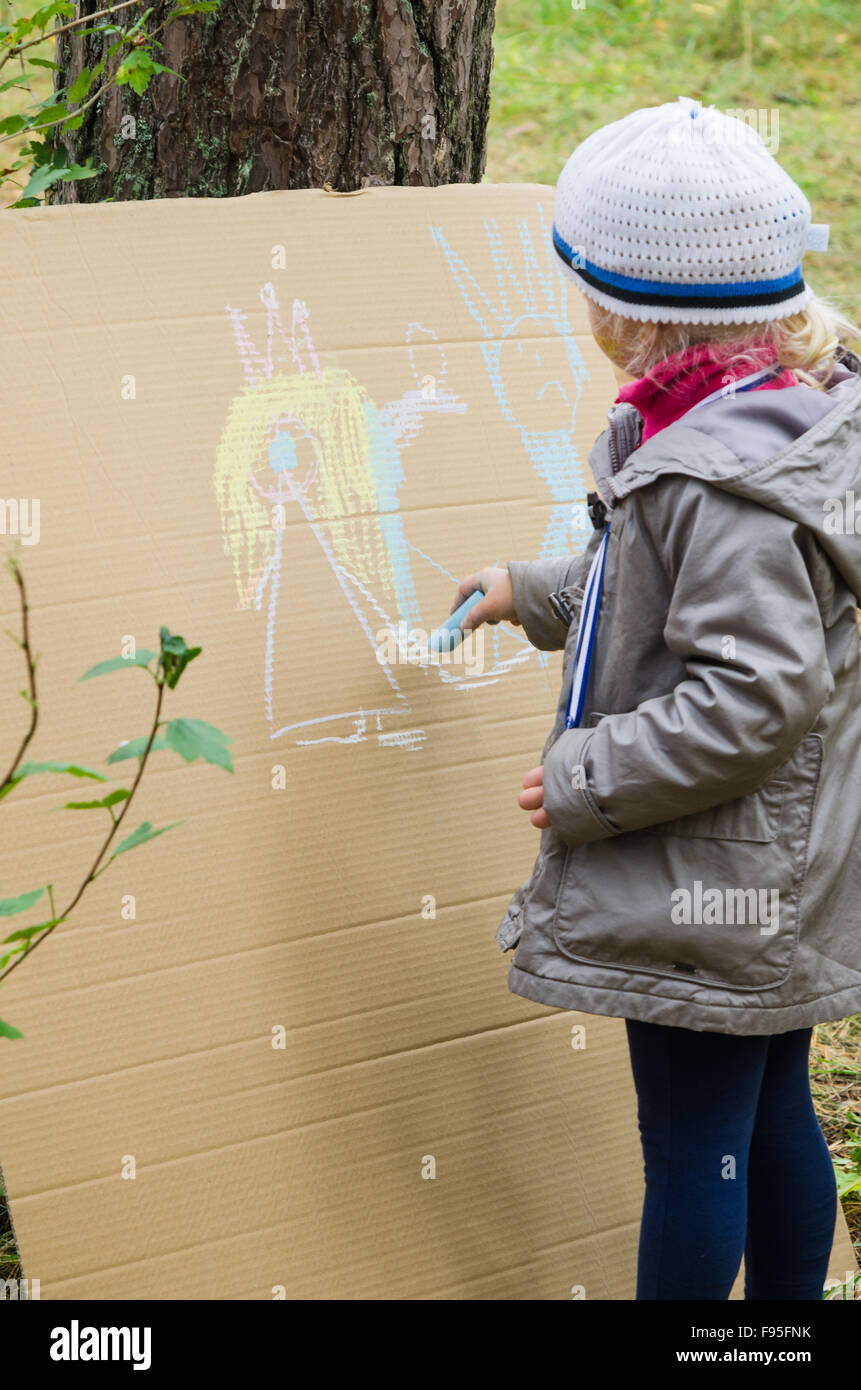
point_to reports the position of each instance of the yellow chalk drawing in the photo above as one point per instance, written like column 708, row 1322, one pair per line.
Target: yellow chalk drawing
column 303, row 439
column 307, row 444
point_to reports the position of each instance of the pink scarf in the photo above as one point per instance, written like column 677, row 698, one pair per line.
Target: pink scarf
column 678, row 382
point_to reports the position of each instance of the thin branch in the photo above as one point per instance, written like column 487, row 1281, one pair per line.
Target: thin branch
column 46, row 125
column 23, row 64
column 31, row 670
column 60, row 120
column 95, row 867
column 63, row 28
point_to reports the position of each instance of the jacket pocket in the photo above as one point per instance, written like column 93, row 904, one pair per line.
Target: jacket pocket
column 713, row 898
column 753, row 817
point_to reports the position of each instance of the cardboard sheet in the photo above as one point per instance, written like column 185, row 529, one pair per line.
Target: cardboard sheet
column 282, row 425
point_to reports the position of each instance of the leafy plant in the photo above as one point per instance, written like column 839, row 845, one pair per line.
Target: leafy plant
column 847, row 1168
column 129, row 59
column 192, row 739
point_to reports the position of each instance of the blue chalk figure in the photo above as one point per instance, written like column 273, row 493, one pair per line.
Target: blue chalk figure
column 524, row 322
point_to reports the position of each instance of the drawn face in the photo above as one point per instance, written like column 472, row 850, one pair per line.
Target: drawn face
column 292, row 455
column 537, row 380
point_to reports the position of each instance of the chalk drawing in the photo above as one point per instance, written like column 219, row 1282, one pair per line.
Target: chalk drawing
column 524, row 323
column 305, row 436
column 304, row 442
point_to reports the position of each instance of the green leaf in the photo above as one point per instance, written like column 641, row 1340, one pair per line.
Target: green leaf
column 194, row 738
column 16, row 951
column 203, row 7
column 134, row 748
column 39, row 152
column 98, row 29
column 121, row 794
column 39, row 180
column 77, row 171
column 134, row 73
column 141, row 20
column 25, row 934
column 117, row 663
column 172, row 642
column 141, row 835
column 10, row 125
column 18, row 81
column 175, row 656
column 7, row 1031
column 73, row 769
column 9, row 906
column 847, row 1181
column 139, row 67
column 80, row 86
column 49, row 114
column 46, row 63
column 40, row 18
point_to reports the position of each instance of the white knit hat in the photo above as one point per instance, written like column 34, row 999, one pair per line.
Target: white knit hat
column 679, row 214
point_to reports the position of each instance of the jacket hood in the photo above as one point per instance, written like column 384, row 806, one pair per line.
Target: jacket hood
column 796, row 451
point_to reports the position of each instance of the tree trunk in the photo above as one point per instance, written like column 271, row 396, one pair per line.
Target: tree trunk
column 296, row 95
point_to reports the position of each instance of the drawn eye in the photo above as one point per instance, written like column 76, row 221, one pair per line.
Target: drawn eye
column 282, row 453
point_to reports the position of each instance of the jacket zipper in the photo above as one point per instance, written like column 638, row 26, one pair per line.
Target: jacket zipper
column 614, row 452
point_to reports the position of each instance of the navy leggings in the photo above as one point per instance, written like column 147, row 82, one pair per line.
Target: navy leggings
column 735, row 1164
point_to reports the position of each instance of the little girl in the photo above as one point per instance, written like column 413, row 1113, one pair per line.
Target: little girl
column 699, row 872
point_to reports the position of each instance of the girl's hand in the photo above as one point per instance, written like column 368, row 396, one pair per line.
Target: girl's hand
column 498, row 604
column 532, row 799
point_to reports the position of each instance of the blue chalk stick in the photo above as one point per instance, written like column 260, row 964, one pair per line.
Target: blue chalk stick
column 445, row 638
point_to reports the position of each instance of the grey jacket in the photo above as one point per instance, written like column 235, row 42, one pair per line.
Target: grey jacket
column 703, row 865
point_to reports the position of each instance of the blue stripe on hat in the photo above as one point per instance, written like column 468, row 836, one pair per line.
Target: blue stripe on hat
column 672, row 289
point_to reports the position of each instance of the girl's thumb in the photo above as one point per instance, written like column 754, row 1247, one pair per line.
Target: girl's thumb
column 481, row 613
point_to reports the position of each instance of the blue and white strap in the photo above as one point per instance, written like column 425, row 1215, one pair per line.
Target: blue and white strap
column 735, row 388
column 586, row 634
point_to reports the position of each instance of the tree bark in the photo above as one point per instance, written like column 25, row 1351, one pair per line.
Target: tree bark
column 314, row 92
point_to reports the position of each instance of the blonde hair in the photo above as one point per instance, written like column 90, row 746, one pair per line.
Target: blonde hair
column 805, row 342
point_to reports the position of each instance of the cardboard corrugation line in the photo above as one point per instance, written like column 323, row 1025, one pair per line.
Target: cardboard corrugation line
column 297, row 1167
